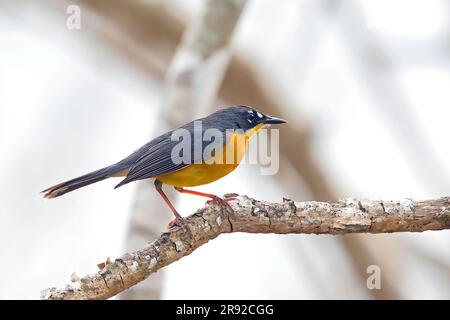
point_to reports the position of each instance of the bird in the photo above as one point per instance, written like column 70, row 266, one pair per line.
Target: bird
column 231, row 127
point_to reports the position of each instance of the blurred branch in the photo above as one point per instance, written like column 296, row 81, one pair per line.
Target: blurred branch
column 357, row 249
column 440, row 263
column 253, row 216
column 378, row 70
column 244, row 85
column 145, row 222
column 191, row 83
column 200, row 61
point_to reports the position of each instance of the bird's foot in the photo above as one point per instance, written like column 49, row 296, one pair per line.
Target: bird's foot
column 221, row 202
column 177, row 222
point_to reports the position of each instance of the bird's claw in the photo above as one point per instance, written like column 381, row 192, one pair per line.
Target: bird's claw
column 221, row 202
column 177, row 222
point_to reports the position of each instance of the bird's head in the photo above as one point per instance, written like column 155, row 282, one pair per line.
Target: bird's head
column 245, row 118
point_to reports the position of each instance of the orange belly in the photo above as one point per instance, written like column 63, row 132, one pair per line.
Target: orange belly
column 197, row 174
column 203, row 173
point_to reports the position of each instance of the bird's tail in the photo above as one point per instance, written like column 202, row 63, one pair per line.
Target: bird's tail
column 92, row 177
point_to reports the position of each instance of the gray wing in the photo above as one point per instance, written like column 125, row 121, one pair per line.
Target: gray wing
column 155, row 158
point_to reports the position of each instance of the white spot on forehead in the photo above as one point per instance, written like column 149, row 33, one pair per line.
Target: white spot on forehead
column 259, row 114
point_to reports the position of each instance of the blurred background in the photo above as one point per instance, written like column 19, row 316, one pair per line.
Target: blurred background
column 365, row 86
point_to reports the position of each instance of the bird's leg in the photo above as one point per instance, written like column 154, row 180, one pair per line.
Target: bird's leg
column 196, row 193
column 179, row 220
column 214, row 199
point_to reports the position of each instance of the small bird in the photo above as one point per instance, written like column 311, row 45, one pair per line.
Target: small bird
column 235, row 125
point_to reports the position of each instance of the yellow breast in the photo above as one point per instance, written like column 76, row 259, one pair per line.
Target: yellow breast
column 225, row 160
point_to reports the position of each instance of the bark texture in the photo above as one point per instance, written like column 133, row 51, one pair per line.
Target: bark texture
column 253, row 216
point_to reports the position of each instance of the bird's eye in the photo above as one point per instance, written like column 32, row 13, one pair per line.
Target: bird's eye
column 251, row 118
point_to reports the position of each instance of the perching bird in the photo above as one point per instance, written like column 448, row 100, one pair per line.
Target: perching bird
column 234, row 125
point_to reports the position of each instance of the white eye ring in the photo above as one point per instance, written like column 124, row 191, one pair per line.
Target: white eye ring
column 249, row 121
column 250, row 111
column 259, row 115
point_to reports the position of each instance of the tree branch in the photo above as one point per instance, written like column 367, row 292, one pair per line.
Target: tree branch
column 253, row 216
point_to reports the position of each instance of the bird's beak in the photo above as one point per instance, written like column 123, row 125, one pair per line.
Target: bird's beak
column 273, row 120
